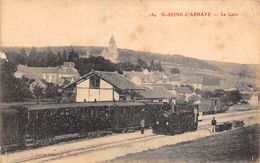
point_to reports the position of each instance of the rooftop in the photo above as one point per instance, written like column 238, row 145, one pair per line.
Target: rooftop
column 66, row 69
column 156, row 92
column 115, row 79
column 81, row 104
column 183, row 90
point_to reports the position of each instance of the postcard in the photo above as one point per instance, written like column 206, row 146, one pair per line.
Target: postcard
column 129, row 81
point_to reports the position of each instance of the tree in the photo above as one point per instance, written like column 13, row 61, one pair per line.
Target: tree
column 51, row 58
column 85, row 65
column 158, row 66
column 38, row 92
column 73, row 56
column 175, row 71
column 64, row 56
column 16, row 58
column 12, row 89
column 59, row 59
column 142, row 63
column 152, row 66
column 52, row 91
column 234, row 96
column 24, row 86
column 127, row 66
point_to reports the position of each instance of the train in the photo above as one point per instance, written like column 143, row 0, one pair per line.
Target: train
column 180, row 119
column 212, row 106
column 29, row 126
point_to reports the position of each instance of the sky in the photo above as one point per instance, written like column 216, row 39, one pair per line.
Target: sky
column 28, row 23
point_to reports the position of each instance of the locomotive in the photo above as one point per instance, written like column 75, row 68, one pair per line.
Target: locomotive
column 181, row 118
column 28, row 126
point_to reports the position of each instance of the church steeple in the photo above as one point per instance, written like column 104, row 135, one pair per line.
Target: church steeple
column 111, row 52
column 112, row 40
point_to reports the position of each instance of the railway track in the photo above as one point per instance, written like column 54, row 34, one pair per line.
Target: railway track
column 89, row 149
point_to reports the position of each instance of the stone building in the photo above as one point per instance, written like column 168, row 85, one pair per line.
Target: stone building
column 111, row 52
column 54, row 75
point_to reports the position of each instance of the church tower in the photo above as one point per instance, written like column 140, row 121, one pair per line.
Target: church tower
column 111, row 53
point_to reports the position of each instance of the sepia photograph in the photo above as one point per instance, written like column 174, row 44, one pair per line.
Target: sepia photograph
column 130, row 81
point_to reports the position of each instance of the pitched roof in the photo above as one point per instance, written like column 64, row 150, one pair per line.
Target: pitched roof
column 156, row 92
column 115, row 79
column 182, row 90
column 48, row 70
column 35, row 70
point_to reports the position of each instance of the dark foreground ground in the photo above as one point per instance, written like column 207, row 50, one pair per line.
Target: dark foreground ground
column 241, row 145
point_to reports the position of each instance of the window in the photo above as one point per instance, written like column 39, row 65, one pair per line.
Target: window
column 94, row 82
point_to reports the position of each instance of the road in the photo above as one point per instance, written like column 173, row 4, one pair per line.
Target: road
column 116, row 145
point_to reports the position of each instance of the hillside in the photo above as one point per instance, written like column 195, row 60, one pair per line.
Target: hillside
column 168, row 61
column 235, row 68
column 126, row 55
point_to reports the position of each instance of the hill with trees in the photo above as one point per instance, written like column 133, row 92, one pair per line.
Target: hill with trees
column 131, row 57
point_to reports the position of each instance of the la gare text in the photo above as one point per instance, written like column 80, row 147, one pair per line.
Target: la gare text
column 193, row 14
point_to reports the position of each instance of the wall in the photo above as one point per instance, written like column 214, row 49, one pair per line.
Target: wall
column 104, row 93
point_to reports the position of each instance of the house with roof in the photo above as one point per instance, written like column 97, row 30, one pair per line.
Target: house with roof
column 137, row 77
column 103, row 86
column 157, row 94
column 204, row 82
column 145, row 76
column 168, row 86
column 50, row 74
column 183, row 91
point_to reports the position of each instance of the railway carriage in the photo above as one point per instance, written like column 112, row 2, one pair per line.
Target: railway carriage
column 28, row 126
column 13, row 120
column 212, row 105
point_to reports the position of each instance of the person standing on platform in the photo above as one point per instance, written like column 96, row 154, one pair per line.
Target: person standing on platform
column 213, row 123
column 142, row 123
